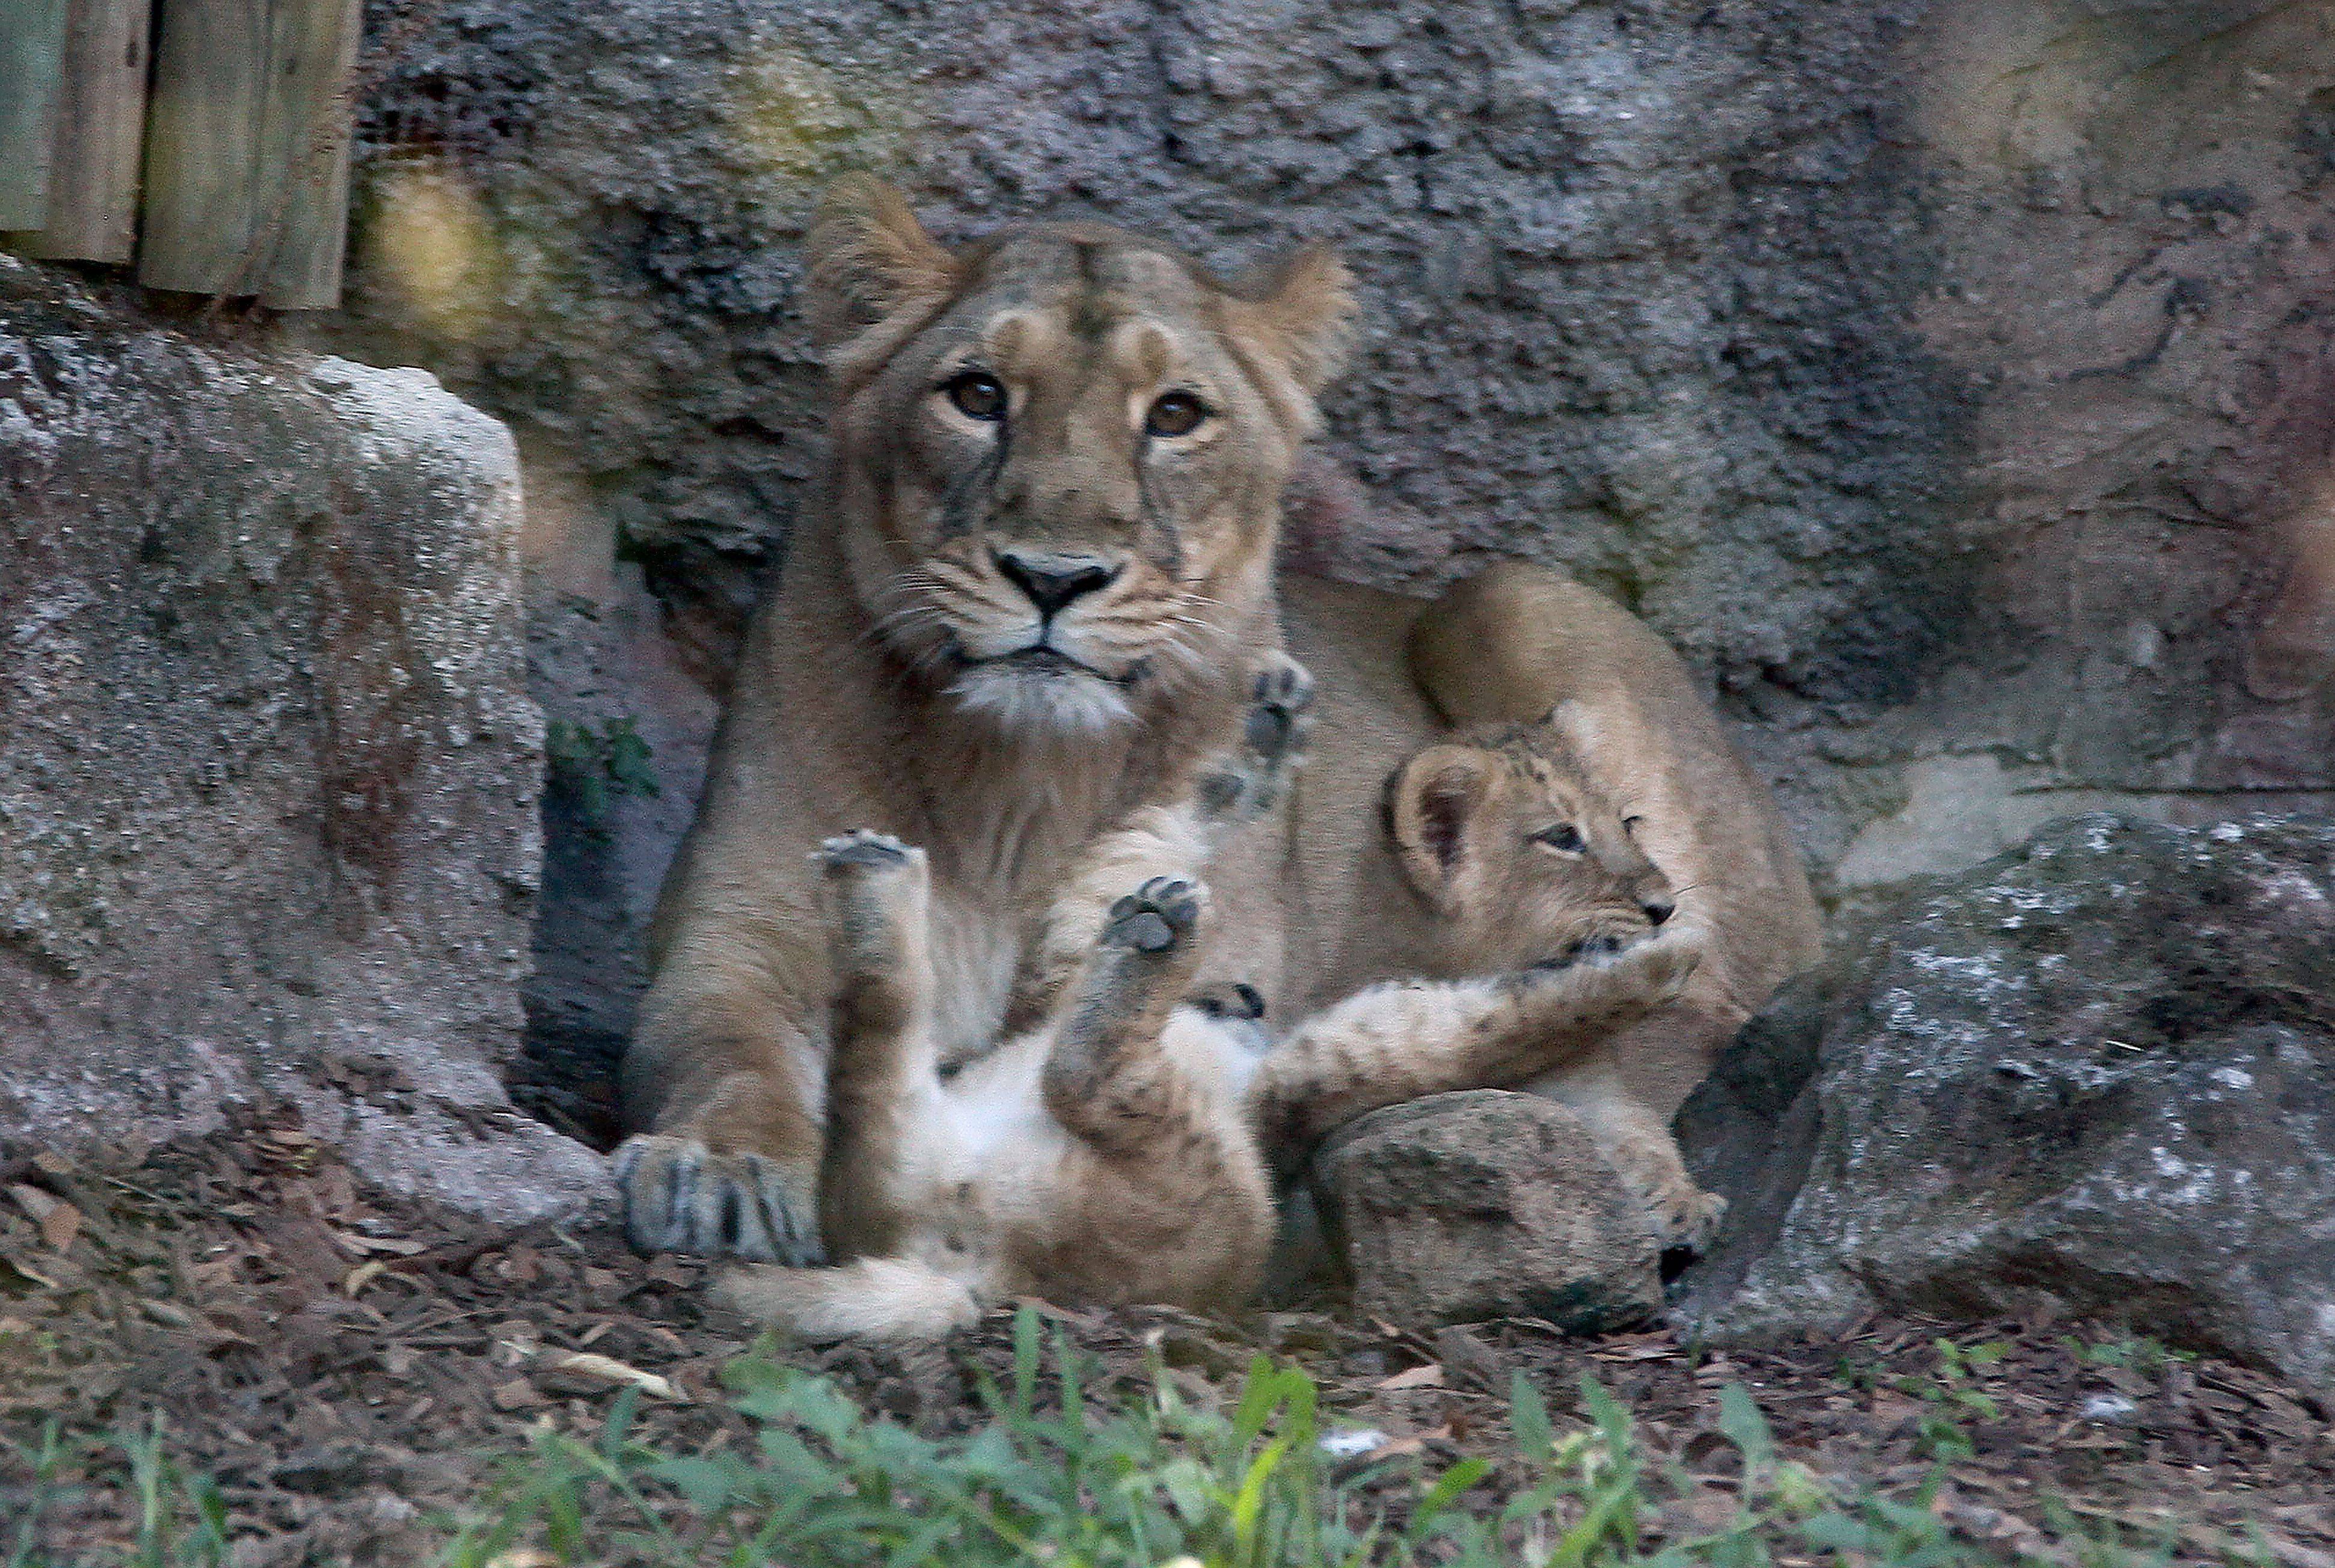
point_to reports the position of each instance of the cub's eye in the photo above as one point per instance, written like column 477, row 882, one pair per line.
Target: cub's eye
column 976, row 394
column 1174, row 413
column 1565, row 836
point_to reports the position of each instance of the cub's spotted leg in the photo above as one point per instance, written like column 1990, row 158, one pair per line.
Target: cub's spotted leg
column 1399, row 1041
column 1172, row 840
column 881, row 1078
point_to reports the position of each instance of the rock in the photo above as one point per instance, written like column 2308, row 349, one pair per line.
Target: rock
column 1459, row 1207
column 268, row 769
column 2095, row 1075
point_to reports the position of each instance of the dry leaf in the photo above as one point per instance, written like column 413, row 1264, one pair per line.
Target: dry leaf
column 363, row 1275
column 170, row 1314
column 522, row 1557
column 615, row 1373
column 1429, row 1375
column 363, row 1245
column 59, row 1226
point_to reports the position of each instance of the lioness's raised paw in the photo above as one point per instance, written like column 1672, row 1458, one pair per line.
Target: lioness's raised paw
column 1157, row 916
column 680, row 1196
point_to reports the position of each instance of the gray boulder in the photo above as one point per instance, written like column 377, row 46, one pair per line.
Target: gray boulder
column 1460, row 1207
column 2095, row 1075
column 268, row 769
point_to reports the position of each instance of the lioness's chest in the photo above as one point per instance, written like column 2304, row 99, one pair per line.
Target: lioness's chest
column 975, row 948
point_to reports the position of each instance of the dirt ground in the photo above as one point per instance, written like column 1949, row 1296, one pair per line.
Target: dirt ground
column 346, row 1370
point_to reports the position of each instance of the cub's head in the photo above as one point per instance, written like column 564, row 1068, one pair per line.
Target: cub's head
column 1524, row 859
column 1061, row 452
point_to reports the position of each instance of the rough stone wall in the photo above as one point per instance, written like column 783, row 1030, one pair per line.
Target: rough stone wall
column 1948, row 377
column 268, row 768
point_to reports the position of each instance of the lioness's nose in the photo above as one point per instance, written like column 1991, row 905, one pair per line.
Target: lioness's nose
column 1054, row 581
column 1659, row 909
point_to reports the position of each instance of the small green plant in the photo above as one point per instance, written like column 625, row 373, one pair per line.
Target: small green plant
column 592, row 767
column 1952, row 1398
column 2133, row 1353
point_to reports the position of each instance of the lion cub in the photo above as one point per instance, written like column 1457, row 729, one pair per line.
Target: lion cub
column 1119, row 1150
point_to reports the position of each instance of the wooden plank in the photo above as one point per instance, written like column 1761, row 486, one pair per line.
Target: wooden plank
column 31, row 47
column 310, row 117
column 100, row 133
column 203, row 134
column 248, row 149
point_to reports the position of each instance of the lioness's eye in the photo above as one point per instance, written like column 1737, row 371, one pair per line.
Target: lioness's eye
column 1174, row 413
column 1629, row 825
column 1564, row 836
column 976, row 394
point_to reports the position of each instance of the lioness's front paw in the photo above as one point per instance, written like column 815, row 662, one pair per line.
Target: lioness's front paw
column 1157, row 916
column 680, row 1196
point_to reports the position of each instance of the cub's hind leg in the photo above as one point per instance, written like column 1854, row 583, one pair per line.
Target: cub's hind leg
column 881, row 1078
column 1401, row 1041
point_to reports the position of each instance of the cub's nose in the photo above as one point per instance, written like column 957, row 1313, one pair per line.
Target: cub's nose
column 1054, row 581
column 1658, row 910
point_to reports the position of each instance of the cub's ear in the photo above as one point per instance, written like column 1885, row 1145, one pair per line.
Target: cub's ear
column 1434, row 803
column 870, row 262
column 1299, row 314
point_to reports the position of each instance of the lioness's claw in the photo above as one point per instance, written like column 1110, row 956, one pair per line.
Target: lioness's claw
column 680, row 1196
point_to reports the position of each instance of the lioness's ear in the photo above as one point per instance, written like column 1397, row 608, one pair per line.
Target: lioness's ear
column 1432, row 805
column 1299, row 316
column 870, row 261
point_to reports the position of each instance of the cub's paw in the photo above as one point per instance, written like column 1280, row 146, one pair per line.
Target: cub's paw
column 1157, row 917
column 680, row 1196
column 1246, row 782
column 1279, row 715
column 1656, row 969
column 866, row 852
column 1683, row 1216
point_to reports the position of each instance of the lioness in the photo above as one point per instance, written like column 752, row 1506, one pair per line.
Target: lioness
column 1119, row 1152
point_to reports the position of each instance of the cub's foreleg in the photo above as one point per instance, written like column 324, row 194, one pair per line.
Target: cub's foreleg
column 1400, row 1040
column 1172, row 840
column 882, row 1082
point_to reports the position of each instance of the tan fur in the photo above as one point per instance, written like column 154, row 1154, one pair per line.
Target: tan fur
column 889, row 682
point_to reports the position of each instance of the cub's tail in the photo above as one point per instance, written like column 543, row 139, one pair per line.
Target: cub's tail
column 1514, row 641
column 891, row 1299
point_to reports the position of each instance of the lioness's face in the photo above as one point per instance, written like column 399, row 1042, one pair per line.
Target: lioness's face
column 1524, row 858
column 1063, row 479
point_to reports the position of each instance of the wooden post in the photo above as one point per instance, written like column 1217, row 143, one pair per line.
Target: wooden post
column 92, row 213
column 31, row 43
column 247, row 148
